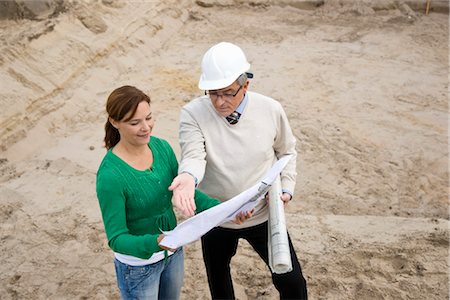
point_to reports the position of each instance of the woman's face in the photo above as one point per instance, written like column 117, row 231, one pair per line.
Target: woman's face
column 137, row 130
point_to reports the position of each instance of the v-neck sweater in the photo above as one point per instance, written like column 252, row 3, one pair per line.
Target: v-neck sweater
column 227, row 159
column 136, row 205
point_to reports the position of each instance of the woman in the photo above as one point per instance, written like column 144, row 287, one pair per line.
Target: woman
column 132, row 189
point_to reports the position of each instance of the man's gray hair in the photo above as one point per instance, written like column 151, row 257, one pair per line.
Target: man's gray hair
column 242, row 79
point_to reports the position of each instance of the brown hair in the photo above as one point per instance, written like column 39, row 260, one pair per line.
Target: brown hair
column 122, row 101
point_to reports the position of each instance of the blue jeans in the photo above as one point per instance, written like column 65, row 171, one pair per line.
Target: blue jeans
column 161, row 280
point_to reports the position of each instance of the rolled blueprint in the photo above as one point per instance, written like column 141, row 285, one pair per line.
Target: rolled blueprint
column 279, row 254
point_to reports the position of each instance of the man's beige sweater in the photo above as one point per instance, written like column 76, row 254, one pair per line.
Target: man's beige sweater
column 228, row 159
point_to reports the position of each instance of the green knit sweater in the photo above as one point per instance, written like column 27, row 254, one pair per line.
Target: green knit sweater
column 136, row 205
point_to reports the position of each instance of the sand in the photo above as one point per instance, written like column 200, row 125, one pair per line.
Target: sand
column 364, row 84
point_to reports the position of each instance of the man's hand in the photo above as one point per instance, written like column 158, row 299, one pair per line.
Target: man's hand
column 286, row 197
column 183, row 187
column 243, row 216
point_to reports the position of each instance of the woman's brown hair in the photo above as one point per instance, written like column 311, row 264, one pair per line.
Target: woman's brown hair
column 122, row 101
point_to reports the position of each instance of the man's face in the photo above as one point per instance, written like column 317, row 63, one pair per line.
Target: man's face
column 226, row 100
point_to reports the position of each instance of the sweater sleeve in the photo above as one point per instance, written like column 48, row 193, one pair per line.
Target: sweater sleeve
column 111, row 197
column 284, row 144
column 171, row 158
column 192, row 143
column 203, row 201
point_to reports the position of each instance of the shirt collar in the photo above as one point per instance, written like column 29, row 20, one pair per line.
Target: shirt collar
column 242, row 105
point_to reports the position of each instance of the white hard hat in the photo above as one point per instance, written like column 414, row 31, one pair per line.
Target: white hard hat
column 222, row 64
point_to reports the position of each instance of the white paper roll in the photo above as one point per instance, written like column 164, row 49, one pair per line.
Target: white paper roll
column 279, row 254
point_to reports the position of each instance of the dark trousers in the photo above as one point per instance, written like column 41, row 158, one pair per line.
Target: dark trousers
column 220, row 245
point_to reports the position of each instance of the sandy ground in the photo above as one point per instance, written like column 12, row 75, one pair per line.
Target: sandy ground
column 364, row 86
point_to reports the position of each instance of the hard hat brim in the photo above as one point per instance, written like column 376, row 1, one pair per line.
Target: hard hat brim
column 208, row 85
column 214, row 84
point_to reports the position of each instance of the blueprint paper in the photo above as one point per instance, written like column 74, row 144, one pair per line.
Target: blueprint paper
column 194, row 228
column 278, row 245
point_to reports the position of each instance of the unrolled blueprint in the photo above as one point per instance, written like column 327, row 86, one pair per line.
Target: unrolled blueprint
column 194, row 228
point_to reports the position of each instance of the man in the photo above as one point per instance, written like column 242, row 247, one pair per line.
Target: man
column 229, row 138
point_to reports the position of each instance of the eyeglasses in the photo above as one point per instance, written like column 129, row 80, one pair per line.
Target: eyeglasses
column 215, row 95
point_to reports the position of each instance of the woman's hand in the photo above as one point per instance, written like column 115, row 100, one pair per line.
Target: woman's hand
column 160, row 237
